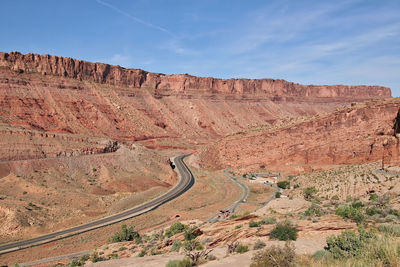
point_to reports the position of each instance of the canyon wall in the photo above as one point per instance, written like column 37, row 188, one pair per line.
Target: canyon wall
column 363, row 133
column 136, row 78
column 65, row 98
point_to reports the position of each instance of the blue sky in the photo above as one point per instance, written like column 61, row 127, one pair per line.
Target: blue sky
column 304, row 41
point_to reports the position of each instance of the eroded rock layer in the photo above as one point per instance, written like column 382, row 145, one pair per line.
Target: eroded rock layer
column 362, row 133
column 137, row 78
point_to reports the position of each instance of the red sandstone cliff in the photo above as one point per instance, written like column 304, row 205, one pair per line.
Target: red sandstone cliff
column 136, row 78
column 364, row 133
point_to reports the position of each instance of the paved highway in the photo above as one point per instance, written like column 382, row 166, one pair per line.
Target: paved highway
column 186, row 181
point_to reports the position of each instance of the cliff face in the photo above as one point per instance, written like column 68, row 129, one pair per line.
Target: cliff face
column 49, row 94
column 364, row 133
column 136, row 78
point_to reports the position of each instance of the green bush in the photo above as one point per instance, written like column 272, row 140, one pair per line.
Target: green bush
column 391, row 229
column 191, row 245
column 275, row 256
column 180, row 263
column 348, row 243
column 242, row 249
column 126, row 233
column 277, row 194
column 284, row 231
column 189, row 233
column 283, row 184
column 371, row 211
column 176, row 245
column 259, row 245
column 254, row 224
column 174, row 229
column 313, row 210
column 309, row 193
column 349, row 212
column 269, row 220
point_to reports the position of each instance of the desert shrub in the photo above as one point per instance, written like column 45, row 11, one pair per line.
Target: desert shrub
column 321, row 254
column 191, row 245
column 284, row 231
column 277, row 194
column 189, row 233
column 350, row 212
column 357, row 204
column 313, row 210
column 95, row 257
column 242, row 249
column 283, row 184
column 199, row 247
column 309, row 192
column 335, row 197
column 348, row 243
column 114, row 256
column 180, row 263
column 254, row 224
column 176, row 245
column 142, row 253
column 391, row 218
column 258, row 245
column 127, row 233
column 84, row 258
column 174, row 229
column 371, row 211
column 74, row 263
column 275, row 256
column 392, row 229
column 383, row 251
column 269, row 220
column 373, row 197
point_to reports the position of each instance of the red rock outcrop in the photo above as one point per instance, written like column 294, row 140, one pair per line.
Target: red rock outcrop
column 136, row 78
column 359, row 134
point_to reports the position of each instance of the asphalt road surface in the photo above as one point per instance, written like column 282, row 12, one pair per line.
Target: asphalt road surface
column 186, row 181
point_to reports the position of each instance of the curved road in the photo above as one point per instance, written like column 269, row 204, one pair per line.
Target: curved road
column 186, row 181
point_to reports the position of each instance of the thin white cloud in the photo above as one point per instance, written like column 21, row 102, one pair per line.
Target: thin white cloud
column 119, row 59
column 148, row 24
column 176, row 47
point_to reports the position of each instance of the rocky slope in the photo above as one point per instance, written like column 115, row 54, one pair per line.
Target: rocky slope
column 358, row 134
